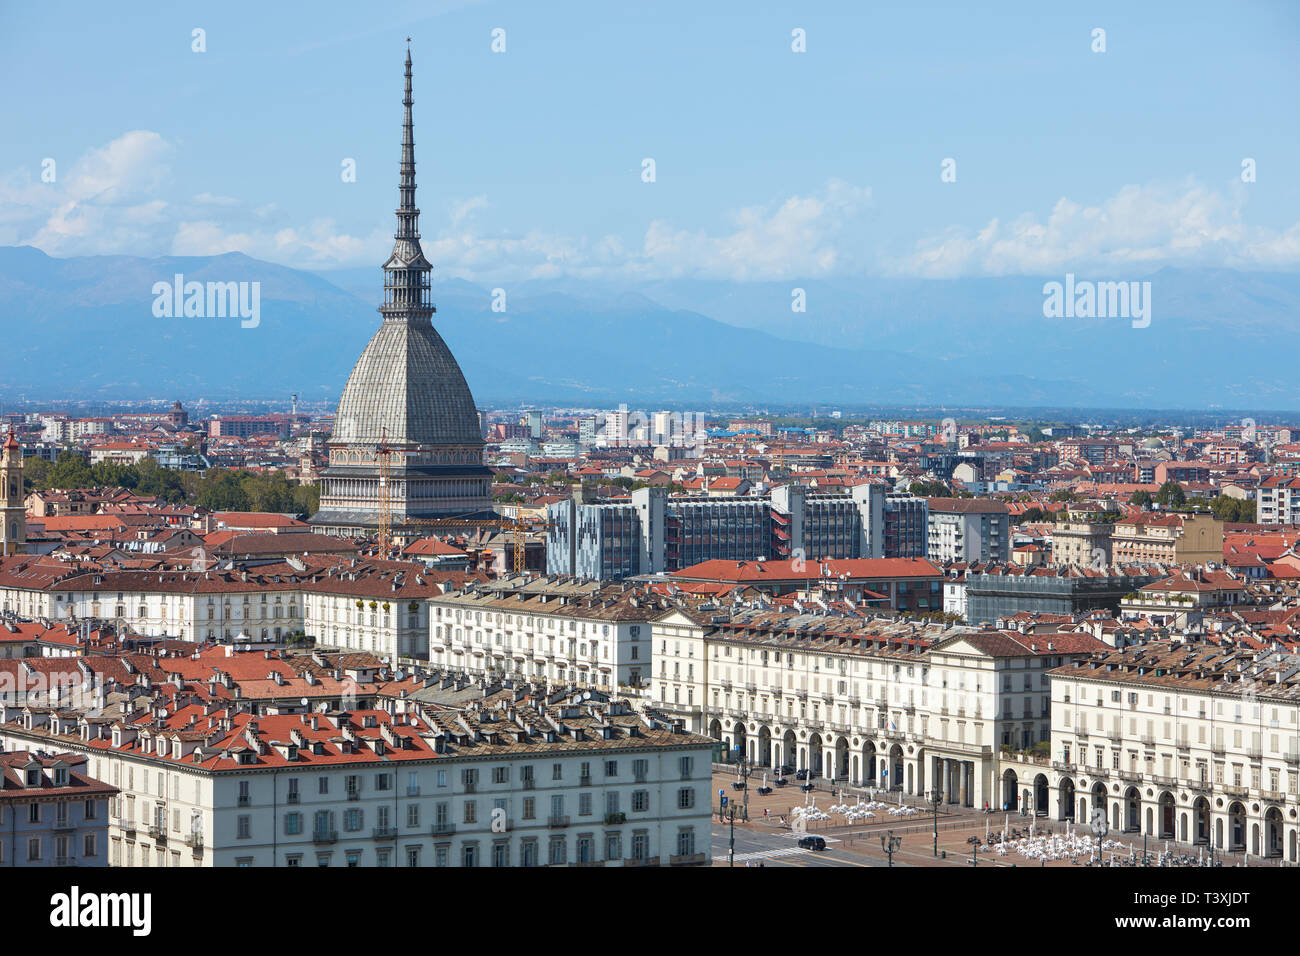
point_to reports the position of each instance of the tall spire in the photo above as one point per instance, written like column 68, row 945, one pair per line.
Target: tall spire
column 406, row 273
column 407, row 225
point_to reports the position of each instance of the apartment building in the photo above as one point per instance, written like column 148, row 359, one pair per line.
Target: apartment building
column 377, row 606
column 968, row 529
column 518, row 778
column 1279, row 500
column 1167, row 539
column 1191, row 743
column 874, row 703
column 1085, row 543
column 652, row 532
column 996, row 591
column 562, row 630
column 52, row 812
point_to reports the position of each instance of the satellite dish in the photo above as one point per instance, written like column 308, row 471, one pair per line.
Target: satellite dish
column 586, row 695
column 305, row 702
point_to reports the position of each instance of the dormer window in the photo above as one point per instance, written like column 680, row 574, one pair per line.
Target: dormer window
column 61, row 777
column 34, row 777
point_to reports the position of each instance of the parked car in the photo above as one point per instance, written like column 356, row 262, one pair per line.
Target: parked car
column 812, row 843
column 801, row 775
column 786, row 769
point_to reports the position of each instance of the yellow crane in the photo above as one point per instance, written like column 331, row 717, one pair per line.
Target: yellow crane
column 384, row 454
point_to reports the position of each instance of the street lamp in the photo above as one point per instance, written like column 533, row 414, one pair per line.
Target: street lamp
column 936, row 797
column 889, row 843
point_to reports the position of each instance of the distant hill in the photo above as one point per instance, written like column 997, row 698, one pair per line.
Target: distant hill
column 84, row 327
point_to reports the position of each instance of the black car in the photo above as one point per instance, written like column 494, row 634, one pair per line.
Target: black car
column 786, row 769
column 806, row 788
column 780, row 781
column 812, row 843
column 764, row 791
column 801, row 775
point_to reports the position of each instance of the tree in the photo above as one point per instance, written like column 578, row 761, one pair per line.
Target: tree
column 1171, row 495
column 1141, row 498
column 929, row 489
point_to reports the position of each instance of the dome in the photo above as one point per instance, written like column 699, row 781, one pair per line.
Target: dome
column 1153, row 443
column 407, row 384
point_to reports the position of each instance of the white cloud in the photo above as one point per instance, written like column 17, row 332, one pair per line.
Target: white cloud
column 318, row 245
column 1137, row 228
column 107, row 201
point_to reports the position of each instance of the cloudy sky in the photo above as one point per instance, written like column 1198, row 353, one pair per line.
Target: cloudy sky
column 769, row 163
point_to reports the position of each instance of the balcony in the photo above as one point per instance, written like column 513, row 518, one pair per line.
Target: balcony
column 1132, row 776
column 325, row 836
column 1292, row 757
column 584, row 780
column 293, row 798
column 443, row 829
column 471, row 786
column 1254, row 753
column 1234, row 791
column 354, row 795
column 127, row 827
column 690, row 859
column 1273, row 796
column 642, row 861
column 1148, row 740
column 614, row 819
column 194, row 840
column 557, row 822
column 1162, row 781
column 158, row 833
column 413, row 790
column 64, row 824
column 528, row 783
column 384, row 833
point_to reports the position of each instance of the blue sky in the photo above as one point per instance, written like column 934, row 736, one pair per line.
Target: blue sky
column 769, row 163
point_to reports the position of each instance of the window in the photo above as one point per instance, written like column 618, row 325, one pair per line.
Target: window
column 687, row 765
column 412, row 814
column 244, row 826
column 469, row 854
column 243, row 793
column 611, row 768
column 686, row 842
column 292, row 824
column 640, row 801
column 500, row 774
column 685, row 798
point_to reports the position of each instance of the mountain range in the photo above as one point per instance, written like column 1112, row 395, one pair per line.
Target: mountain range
column 85, row 327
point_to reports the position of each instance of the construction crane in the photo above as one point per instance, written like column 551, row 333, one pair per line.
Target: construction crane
column 384, row 454
column 517, row 527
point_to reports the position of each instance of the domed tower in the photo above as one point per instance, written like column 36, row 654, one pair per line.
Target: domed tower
column 13, row 512
column 406, row 412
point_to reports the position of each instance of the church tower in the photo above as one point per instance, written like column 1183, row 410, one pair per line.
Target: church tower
column 13, row 513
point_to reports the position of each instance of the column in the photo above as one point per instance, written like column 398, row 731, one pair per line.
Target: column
column 965, row 783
